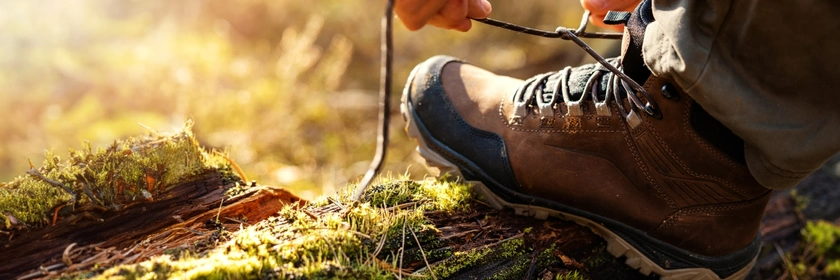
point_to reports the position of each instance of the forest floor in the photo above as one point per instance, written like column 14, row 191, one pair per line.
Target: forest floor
column 211, row 222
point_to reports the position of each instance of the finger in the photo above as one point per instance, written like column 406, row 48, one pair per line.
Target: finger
column 601, row 7
column 415, row 14
column 599, row 10
column 479, row 9
column 462, row 25
column 453, row 15
column 599, row 22
column 454, row 11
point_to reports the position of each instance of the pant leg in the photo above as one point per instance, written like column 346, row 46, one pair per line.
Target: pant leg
column 767, row 69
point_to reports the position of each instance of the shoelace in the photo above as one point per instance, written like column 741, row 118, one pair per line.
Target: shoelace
column 544, row 102
column 544, row 94
column 532, row 94
column 387, row 57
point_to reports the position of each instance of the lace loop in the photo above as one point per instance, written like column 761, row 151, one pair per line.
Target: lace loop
column 525, row 95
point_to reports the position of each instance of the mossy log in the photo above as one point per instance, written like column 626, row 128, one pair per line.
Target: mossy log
column 207, row 223
column 183, row 220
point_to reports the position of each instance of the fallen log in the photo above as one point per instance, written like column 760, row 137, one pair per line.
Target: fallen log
column 139, row 232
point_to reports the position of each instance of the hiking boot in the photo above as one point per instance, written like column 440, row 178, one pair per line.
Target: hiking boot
column 645, row 168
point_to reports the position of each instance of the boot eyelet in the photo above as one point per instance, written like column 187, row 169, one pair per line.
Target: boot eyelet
column 515, row 121
column 546, row 122
column 670, row 92
column 653, row 111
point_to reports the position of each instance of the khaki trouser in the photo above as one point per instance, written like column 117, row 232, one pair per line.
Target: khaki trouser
column 767, row 69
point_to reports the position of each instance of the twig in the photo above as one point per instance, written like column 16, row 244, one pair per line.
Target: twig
column 478, row 222
column 89, row 193
column 788, row 265
column 65, row 257
column 481, row 202
column 234, row 165
column 402, row 248
column 500, row 242
column 235, row 220
column 533, row 267
column 41, row 272
column 57, row 209
column 382, row 241
column 219, row 213
column 432, row 271
column 195, row 231
column 97, row 256
column 459, row 234
column 132, row 258
column 380, row 245
column 36, row 173
column 336, row 202
column 310, row 214
column 151, row 130
column 132, row 249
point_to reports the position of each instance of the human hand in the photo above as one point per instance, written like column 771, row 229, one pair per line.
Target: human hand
column 448, row 14
column 599, row 8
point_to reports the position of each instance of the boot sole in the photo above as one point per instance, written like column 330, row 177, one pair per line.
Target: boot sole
column 617, row 245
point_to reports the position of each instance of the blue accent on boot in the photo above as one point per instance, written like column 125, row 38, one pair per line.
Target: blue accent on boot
column 441, row 120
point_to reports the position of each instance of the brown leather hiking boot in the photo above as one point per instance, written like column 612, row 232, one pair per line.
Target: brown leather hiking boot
column 650, row 172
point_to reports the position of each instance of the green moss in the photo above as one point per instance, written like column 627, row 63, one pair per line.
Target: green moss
column 129, row 171
column 459, row 261
column 818, row 254
column 800, row 201
column 441, row 194
column 571, row 275
column 823, row 236
column 334, row 244
column 547, row 257
column 833, row 269
column 598, row 258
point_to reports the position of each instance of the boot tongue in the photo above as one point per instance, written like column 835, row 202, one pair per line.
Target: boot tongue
column 634, row 65
column 634, row 35
column 576, row 80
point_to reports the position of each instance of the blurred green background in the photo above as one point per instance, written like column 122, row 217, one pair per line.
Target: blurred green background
column 288, row 88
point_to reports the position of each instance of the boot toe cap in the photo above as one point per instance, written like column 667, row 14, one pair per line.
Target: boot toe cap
column 480, row 154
